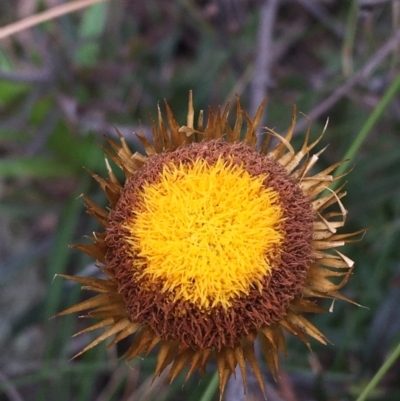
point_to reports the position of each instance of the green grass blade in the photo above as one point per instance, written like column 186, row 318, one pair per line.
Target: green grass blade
column 369, row 124
column 34, row 167
column 93, row 20
column 380, row 373
column 349, row 38
column 211, row 389
column 92, row 26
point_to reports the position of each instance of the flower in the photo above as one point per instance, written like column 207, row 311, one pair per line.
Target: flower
column 210, row 244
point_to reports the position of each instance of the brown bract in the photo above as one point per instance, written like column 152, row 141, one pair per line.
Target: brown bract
column 128, row 307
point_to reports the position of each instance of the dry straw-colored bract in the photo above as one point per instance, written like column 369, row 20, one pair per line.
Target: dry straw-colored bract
column 210, row 244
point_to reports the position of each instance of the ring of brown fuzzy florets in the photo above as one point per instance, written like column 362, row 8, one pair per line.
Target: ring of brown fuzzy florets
column 217, row 327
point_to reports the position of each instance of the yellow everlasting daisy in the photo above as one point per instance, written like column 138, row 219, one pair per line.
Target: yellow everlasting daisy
column 210, row 244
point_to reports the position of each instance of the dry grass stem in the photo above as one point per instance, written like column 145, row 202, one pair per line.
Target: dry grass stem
column 377, row 58
column 47, row 15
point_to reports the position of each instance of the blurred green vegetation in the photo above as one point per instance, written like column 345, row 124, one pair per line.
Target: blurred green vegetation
column 67, row 82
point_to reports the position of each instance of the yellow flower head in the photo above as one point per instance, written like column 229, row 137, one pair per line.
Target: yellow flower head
column 188, row 233
column 210, row 243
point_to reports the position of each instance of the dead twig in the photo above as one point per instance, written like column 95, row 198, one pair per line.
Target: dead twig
column 41, row 76
column 262, row 65
column 9, row 389
column 372, row 3
column 263, row 62
column 376, row 59
column 318, row 10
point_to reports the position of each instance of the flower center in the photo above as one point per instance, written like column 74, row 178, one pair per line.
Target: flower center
column 207, row 233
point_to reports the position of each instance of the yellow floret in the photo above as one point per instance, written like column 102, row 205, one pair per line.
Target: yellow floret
column 207, row 233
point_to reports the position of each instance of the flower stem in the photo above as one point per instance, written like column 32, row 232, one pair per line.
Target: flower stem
column 380, row 373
